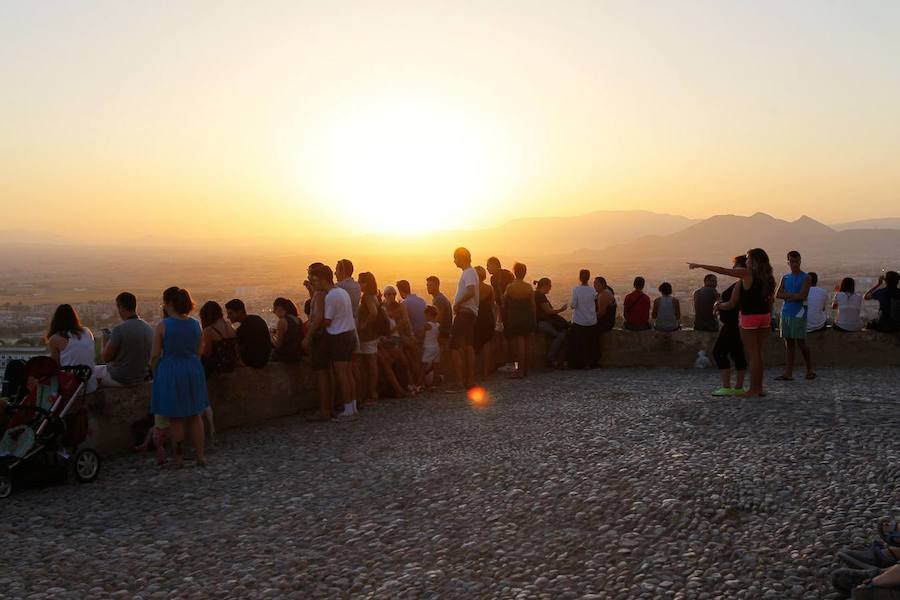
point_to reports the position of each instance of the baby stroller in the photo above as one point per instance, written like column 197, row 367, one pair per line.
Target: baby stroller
column 45, row 425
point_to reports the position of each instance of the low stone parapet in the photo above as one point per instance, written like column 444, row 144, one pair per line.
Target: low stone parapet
column 250, row 396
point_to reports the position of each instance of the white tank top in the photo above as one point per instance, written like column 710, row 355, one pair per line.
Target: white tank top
column 80, row 351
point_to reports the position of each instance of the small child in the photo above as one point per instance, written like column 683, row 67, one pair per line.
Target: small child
column 157, row 437
column 431, row 349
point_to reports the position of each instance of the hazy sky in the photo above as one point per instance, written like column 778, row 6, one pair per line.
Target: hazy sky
column 280, row 119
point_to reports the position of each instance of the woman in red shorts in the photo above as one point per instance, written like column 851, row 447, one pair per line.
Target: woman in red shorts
column 756, row 298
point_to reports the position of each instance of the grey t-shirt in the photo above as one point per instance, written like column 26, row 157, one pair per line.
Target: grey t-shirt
column 704, row 300
column 350, row 286
column 133, row 339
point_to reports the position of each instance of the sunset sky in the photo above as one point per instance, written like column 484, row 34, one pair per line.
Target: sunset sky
column 299, row 120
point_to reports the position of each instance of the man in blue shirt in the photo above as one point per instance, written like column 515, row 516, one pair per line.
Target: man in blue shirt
column 794, row 290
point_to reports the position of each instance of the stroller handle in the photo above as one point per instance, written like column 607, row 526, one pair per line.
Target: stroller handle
column 82, row 372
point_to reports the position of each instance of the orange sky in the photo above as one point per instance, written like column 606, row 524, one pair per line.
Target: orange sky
column 291, row 121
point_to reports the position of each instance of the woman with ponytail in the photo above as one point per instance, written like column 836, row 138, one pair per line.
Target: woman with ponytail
column 757, row 294
column 179, row 395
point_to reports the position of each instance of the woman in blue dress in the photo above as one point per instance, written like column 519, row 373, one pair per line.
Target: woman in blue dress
column 179, row 384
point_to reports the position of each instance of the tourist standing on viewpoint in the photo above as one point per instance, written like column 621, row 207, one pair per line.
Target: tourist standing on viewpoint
column 757, row 294
column 636, row 308
column 465, row 311
column 705, row 299
column 815, row 305
column 367, row 330
column 519, row 319
column 794, row 289
column 582, row 340
column 485, row 324
column 340, row 337
column 443, row 306
column 500, row 279
column 126, row 351
column 314, row 344
column 179, row 395
column 729, row 344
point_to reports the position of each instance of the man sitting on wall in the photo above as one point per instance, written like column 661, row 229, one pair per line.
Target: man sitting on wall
column 126, row 349
column 253, row 339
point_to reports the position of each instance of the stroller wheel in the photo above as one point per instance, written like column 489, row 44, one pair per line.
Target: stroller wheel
column 6, row 486
column 87, row 465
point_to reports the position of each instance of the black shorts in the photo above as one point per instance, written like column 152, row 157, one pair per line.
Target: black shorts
column 341, row 346
column 319, row 353
column 462, row 333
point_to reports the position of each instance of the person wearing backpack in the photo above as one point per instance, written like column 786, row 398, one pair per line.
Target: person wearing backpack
column 888, row 297
column 218, row 341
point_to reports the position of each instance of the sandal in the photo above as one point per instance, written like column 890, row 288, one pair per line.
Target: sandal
column 784, row 378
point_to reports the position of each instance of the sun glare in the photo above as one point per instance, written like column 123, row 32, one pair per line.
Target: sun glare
column 404, row 169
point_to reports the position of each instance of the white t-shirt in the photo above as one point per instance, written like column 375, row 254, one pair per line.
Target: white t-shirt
column 431, row 335
column 467, row 278
column 584, row 305
column 339, row 308
column 815, row 304
column 848, row 311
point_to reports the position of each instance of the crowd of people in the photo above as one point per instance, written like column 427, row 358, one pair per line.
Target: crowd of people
column 365, row 342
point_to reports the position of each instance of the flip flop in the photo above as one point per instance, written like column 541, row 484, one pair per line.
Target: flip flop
column 783, row 378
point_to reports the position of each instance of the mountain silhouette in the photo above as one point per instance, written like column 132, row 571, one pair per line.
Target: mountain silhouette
column 718, row 238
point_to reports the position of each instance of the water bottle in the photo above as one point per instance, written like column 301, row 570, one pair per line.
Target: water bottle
column 702, row 361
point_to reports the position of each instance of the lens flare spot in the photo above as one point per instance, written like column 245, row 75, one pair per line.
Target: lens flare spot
column 479, row 397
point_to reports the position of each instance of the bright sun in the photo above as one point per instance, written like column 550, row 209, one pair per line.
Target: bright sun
column 403, row 168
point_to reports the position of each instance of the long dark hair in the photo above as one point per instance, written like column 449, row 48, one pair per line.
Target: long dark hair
column 180, row 299
column 210, row 313
column 761, row 269
column 367, row 282
column 287, row 305
column 65, row 322
column 848, row 285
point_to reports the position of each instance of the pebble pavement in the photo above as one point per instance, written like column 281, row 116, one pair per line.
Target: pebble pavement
column 627, row 483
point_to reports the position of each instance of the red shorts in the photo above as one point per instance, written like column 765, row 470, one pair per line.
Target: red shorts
column 755, row 321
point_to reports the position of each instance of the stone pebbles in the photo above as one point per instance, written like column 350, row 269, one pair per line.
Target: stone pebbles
column 608, row 484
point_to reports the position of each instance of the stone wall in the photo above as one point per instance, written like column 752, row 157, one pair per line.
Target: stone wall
column 249, row 396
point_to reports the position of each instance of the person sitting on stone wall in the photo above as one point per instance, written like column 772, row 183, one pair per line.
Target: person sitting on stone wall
column 705, row 299
column 888, row 297
column 126, row 350
column 253, row 338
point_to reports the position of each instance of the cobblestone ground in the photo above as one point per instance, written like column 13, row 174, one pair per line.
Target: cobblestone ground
column 606, row 484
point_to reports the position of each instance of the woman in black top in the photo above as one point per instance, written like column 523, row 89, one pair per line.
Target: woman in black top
column 287, row 338
column 729, row 343
column 757, row 293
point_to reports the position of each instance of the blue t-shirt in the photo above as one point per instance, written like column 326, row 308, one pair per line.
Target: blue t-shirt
column 793, row 284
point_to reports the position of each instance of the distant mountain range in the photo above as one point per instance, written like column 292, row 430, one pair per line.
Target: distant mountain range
column 718, row 238
column 887, row 223
column 611, row 236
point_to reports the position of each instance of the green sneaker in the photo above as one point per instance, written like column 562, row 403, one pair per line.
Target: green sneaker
column 738, row 391
column 723, row 391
